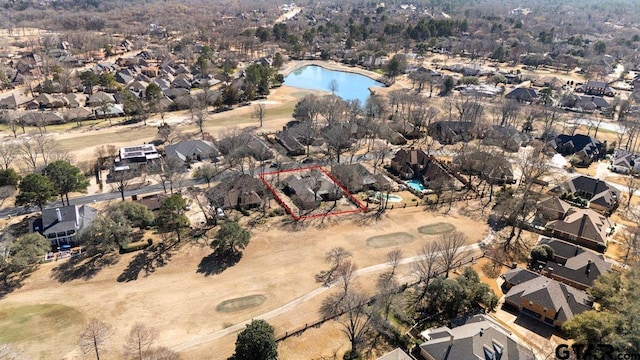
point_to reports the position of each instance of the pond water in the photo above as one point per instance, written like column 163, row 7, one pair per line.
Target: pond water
column 350, row 86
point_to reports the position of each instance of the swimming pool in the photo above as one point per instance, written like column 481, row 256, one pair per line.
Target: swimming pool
column 390, row 197
column 416, row 185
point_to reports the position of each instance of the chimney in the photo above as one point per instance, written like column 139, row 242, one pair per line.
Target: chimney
column 481, row 331
column 588, row 269
column 576, row 252
column 58, row 215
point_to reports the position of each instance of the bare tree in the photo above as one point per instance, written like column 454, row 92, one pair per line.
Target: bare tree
column 121, row 181
column 387, row 284
column 633, row 184
column 333, row 86
column 345, row 273
column 8, row 152
column 352, row 312
column 425, row 269
column 94, row 337
column 9, row 119
column 259, row 112
column 139, row 341
column 335, row 257
column 28, row 153
column 169, row 171
column 449, row 246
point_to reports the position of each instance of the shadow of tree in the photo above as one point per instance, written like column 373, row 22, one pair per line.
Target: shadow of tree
column 148, row 260
column 84, row 268
column 217, row 262
column 12, row 281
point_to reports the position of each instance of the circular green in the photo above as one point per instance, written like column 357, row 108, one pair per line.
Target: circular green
column 241, row 303
column 436, row 229
column 388, row 240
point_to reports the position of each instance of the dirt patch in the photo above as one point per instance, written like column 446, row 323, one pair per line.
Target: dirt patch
column 388, row 240
column 436, row 229
column 241, row 303
column 35, row 327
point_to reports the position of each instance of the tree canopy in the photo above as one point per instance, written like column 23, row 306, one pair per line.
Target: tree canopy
column 616, row 322
column 9, row 177
column 171, row 216
column 66, row 178
column 138, row 214
column 35, row 189
column 27, row 251
column 256, row 342
column 231, row 237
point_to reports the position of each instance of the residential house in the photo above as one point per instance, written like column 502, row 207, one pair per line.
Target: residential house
column 583, row 227
column 506, row 138
column 75, row 100
column 296, row 135
column 494, row 168
column 49, row 101
column 356, row 178
column 592, row 103
column 516, row 277
column 451, row 132
column 309, row 190
column 245, row 144
column 100, row 98
column 193, row 150
column 572, row 264
column 584, row 149
column 416, row 164
column 595, row 88
column 396, row 354
column 78, row 114
column 551, row 208
column 601, row 195
column 152, row 202
column 625, row 162
column 545, row 299
column 483, row 90
column 522, row 94
column 111, row 110
column 480, row 337
column 241, row 191
column 61, row 225
column 13, row 101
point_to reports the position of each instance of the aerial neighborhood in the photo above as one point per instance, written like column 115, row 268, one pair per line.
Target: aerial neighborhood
column 319, row 180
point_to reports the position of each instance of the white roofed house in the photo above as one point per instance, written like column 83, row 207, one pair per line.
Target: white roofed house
column 61, row 225
column 132, row 159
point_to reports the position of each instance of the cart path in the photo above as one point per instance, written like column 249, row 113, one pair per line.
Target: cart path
column 202, row 339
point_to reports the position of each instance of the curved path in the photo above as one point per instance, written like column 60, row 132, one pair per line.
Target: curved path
column 201, row 339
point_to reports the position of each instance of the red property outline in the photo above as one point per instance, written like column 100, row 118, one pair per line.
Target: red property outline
column 355, row 200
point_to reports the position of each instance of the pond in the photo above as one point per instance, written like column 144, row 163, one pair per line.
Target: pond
column 350, row 86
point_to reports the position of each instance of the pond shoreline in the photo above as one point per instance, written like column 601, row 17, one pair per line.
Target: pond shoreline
column 294, row 65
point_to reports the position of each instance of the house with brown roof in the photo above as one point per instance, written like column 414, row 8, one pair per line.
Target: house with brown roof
column 551, row 208
column 355, row 177
column 241, row 191
column 595, row 88
column 572, row 264
column 416, row 164
column 601, row 195
column 583, row 227
column 545, row 299
column 494, row 168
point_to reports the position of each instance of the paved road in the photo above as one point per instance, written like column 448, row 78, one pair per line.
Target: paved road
column 202, row 339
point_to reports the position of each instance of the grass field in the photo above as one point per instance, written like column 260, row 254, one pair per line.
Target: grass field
column 436, row 229
column 387, row 240
column 241, row 303
column 35, row 326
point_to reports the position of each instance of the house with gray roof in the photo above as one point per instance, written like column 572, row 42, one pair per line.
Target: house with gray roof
column 583, row 148
column 595, row 88
column 13, row 101
column 479, row 338
column 547, row 300
column 61, row 225
column 309, row 189
column 572, row 264
column 601, row 195
column 195, row 150
column 522, row 94
column 397, row 354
